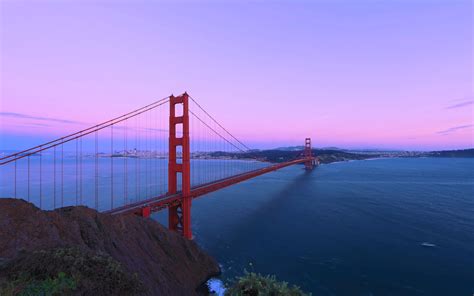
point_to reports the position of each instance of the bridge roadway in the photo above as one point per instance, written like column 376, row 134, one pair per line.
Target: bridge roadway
column 166, row 200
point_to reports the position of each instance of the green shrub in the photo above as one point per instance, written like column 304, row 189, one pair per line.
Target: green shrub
column 66, row 271
column 255, row 284
column 25, row 285
column 50, row 286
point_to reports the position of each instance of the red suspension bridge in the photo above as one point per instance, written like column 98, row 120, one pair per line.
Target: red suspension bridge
column 160, row 156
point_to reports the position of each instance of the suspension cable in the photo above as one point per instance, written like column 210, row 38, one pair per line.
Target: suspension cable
column 60, row 141
column 94, row 128
column 246, row 147
column 216, row 132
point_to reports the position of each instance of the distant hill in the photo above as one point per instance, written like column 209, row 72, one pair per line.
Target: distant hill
column 451, row 153
column 334, row 155
column 300, row 148
column 325, row 156
column 292, row 148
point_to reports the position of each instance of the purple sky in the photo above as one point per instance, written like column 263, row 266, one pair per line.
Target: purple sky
column 352, row 74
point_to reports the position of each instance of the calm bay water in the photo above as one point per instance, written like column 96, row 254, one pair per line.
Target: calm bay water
column 378, row 227
column 353, row 228
column 105, row 182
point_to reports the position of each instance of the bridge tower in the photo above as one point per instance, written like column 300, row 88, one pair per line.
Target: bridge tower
column 179, row 215
column 308, row 154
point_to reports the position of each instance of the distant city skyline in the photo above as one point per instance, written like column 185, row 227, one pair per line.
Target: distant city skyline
column 348, row 74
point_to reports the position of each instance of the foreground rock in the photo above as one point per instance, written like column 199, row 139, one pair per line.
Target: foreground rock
column 165, row 263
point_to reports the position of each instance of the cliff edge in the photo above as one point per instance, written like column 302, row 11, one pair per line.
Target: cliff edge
column 164, row 262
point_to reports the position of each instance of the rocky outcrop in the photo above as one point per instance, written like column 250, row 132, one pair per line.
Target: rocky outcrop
column 165, row 263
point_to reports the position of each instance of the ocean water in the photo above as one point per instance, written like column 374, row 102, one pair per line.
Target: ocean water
column 378, row 227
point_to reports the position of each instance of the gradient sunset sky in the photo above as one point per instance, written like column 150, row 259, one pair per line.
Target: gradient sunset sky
column 351, row 74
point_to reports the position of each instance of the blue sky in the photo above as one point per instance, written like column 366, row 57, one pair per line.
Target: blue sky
column 354, row 74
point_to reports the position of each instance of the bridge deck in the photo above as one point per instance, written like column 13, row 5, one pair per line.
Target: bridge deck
column 164, row 201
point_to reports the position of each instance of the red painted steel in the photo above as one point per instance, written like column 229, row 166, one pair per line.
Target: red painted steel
column 179, row 214
column 146, row 212
column 309, row 164
column 177, row 200
column 171, row 200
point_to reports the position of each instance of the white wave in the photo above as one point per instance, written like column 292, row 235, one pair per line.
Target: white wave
column 216, row 287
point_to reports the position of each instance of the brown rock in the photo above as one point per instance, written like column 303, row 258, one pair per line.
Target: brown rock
column 166, row 263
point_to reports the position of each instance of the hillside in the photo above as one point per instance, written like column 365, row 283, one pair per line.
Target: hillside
column 163, row 261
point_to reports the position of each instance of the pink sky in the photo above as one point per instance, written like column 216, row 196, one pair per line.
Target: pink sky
column 352, row 74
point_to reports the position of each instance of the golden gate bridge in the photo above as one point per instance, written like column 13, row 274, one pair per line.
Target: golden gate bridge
column 160, row 156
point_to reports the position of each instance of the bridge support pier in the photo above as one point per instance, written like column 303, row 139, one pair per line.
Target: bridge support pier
column 179, row 215
column 146, row 212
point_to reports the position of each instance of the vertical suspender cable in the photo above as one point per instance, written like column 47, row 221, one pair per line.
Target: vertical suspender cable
column 96, row 179
column 62, row 175
column 139, row 160
column 147, row 159
column 112, row 166
column 77, row 171
column 41, row 180
column 80, row 172
column 136, row 159
column 54, row 177
column 125, row 160
column 29, row 178
column 15, row 179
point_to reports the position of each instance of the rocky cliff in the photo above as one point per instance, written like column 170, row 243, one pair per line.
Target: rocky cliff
column 164, row 262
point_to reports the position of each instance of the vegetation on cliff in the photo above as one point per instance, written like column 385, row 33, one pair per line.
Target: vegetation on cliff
column 67, row 271
column 255, row 284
